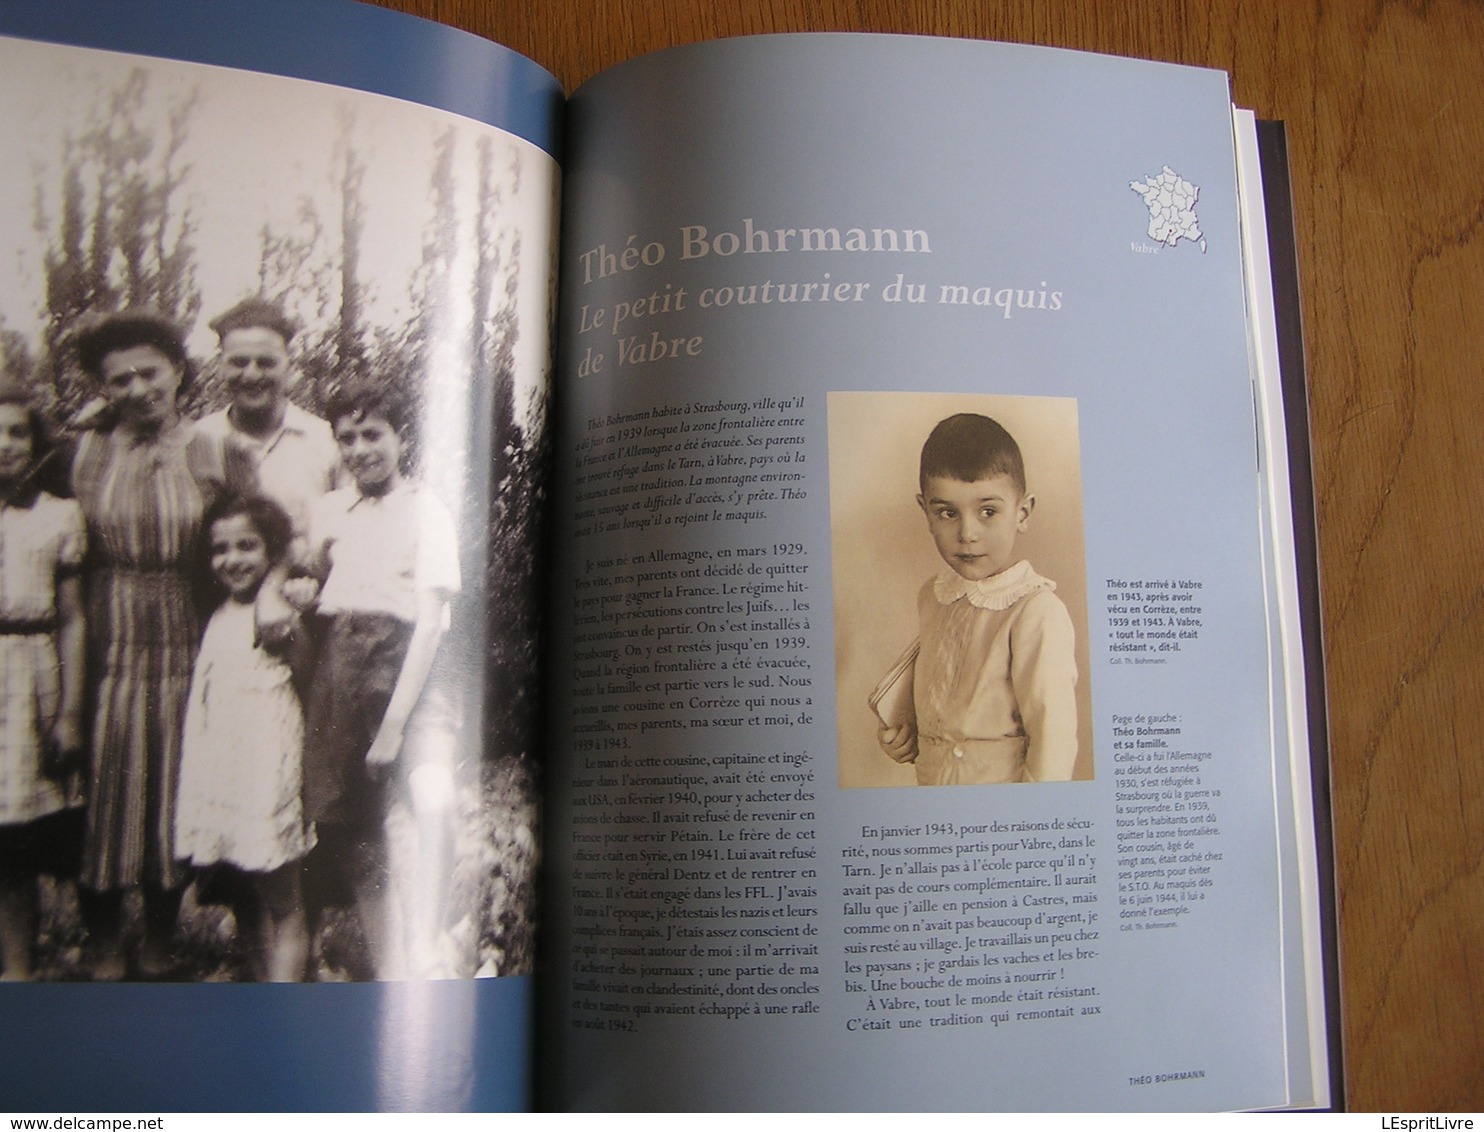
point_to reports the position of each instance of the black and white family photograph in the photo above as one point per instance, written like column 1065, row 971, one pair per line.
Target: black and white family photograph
column 273, row 390
column 960, row 590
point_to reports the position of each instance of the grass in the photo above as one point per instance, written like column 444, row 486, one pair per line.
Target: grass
column 489, row 929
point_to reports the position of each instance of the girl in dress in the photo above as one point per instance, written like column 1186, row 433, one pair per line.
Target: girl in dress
column 242, row 748
column 41, row 675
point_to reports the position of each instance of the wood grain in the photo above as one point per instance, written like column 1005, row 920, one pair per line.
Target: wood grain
column 1384, row 103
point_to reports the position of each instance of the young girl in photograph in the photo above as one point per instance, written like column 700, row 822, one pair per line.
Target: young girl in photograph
column 242, row 748
column 41, row 676
column 384, row 553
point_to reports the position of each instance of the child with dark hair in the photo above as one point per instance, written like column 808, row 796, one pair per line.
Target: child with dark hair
column 994, row 681
column 385, row 555
column 41, row 659
column 242, row 748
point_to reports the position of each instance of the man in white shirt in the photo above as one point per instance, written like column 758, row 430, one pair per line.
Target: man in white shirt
column 295, row 453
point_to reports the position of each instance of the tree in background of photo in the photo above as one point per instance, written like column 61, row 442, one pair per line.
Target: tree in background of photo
column 122, row 233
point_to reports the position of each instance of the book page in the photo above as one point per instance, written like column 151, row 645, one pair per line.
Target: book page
column 1300, row 843
column 871, row 343
column 295, row 242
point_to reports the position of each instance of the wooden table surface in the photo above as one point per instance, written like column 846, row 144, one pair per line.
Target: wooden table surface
column 1384, row 104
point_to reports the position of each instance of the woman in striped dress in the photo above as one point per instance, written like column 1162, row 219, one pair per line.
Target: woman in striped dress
column 144, row 480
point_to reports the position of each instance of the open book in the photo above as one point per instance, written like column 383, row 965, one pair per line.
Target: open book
column 734, row 465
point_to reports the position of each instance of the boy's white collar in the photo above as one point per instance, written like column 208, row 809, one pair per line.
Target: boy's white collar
column 999, row 591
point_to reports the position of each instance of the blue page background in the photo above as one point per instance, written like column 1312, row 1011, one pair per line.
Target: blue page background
column 1017, row 162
